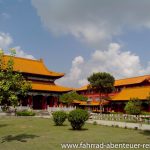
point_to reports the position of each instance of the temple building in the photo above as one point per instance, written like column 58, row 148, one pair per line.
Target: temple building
column 125, row 89
column 44, row 90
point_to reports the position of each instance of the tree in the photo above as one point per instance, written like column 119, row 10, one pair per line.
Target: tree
column 103, row 83
column 133, row 107
column 68, row 98
column 12, row 84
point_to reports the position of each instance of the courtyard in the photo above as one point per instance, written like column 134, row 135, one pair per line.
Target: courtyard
column 30, row 133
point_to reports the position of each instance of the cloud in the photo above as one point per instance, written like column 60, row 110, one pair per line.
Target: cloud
column 75, row 72
column 5, row 40
column 21, row 53
column 120, row 64
column 5, row 15
column 95, row 21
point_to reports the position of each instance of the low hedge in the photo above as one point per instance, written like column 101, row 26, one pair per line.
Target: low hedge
column 25, row 113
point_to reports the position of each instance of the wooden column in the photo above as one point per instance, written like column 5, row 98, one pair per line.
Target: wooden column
column 44, row 102
column 30, row 101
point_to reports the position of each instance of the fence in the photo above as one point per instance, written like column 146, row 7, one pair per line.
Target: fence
column 52, row 109
column 121, row 117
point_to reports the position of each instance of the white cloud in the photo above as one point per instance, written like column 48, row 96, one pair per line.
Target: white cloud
column 120, row 64
column 5, row 40
column 96, row 23
column 75, row 72
column 21, row 53
column 77, row 61
column 5, row 15
column 93, row 21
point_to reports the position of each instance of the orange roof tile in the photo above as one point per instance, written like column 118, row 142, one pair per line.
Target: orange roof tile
column 133, row 80
column 122, row 82
column 138, row 92
column 83, row 88
column 93, row 103
column 41, row 86
column 25, row 65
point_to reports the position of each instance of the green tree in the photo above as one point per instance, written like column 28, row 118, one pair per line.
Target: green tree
column 133, row 106
column 69, row 97
column 12, row 84
column 103, row 83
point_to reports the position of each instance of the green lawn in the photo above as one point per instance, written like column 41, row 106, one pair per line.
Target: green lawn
column 27, row 133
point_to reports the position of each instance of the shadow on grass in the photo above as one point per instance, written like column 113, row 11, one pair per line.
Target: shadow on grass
column 146, row 133
column 63, row 125
column 3, row 125
column 83, row 129
column 19, row 137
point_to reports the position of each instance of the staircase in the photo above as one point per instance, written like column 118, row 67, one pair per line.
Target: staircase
column 42, row 113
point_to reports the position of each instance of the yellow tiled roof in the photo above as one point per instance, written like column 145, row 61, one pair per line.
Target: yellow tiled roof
column 93, row 103
column 32, row 66
column 41, row 86
column 127, row 93
column 120, row 82
column 132, row 80
column 83, row 88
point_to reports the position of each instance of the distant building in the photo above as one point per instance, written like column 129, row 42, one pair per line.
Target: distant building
column 44, row 90
column 125, row 89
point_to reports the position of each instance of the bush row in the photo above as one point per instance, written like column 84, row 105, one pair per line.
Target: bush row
column 76, row 118
column 25, row 113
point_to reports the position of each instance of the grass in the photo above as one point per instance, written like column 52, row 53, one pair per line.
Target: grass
column 29, row 133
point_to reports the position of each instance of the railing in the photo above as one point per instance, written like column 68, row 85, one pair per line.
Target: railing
column 12, row 109
column 52, row 109
column 121, row 117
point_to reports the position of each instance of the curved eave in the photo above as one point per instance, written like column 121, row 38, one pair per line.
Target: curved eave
column 83, row 88
column 126, row 94
column 132, row 81
column 31, row 66
column 49, row 87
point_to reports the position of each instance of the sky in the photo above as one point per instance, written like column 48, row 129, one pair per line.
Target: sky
column 78, row 37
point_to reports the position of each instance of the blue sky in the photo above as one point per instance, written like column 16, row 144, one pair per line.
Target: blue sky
column 79, row 37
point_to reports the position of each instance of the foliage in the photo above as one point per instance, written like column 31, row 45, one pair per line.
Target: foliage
column 133, row 107
column 25, row 113
column 102, row 81
column 59, row 117
column 77, row 118
column 145, row 113
column 68, row 98
column 12, row 84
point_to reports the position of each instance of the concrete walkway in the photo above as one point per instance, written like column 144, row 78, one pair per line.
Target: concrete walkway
column 122, row 124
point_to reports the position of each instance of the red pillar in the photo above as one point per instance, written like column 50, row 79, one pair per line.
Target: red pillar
column 55, row 101
column 30, row 101
column 44, row 104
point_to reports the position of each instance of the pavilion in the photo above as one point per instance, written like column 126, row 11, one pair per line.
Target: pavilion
column 125, row 89
column 44, row 90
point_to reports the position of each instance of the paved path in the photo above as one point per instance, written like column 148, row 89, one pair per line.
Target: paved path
column 121, row 124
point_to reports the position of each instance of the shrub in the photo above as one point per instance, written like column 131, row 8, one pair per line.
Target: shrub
column 25, row 113
column 59, row 117
column 77, row 118
column 133, row 107
column 94, row 123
